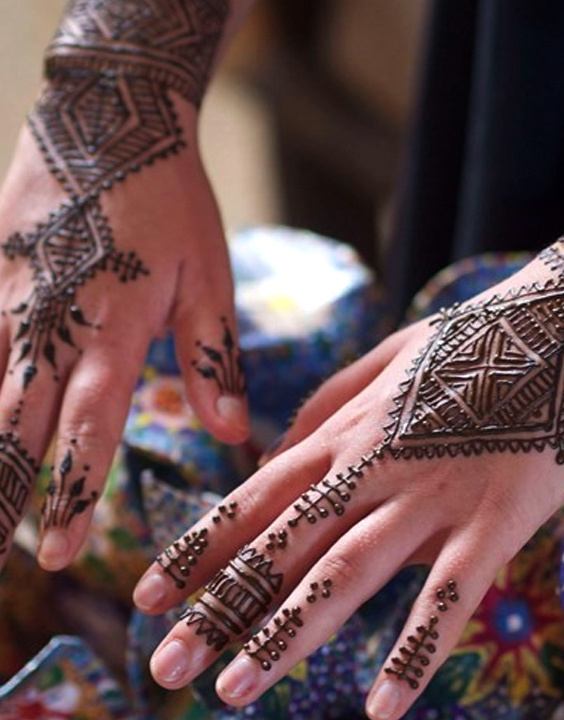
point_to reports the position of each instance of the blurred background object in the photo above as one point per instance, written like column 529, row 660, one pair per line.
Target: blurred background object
column 304, row 123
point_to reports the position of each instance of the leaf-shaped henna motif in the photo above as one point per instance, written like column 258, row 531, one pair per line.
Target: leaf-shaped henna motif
column 224, row 366
column 65, row 500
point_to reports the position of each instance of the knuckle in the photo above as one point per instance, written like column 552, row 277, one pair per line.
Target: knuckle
column 342, row 568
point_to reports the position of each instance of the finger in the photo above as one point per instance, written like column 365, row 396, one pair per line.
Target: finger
column 206, row 333
column 92, row 417
column 336, row 392
column 263, row 573
column 245, row 513
column 355, row 567
column 27, row 416
column 457, row 583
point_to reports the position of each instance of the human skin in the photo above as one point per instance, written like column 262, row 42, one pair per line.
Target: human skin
column 109, row 236
column 443, row 446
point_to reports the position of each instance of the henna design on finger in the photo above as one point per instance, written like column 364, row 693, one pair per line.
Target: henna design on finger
column 267, row 645
column 242, row 592
column 17, row 473
column 215, row 637
column 490, row 380
column 229, row 511
column 277, row 540
column 179, row 559
column 65, row 500
column 105, row 112
column 223, row 367
column 414, row 656
column 332, row 494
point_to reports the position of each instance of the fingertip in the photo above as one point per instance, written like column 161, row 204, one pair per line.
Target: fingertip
column 55, row 551
column 383, row 701
column 149, row 593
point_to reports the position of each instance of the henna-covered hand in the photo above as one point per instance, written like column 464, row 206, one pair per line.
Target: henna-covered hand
column 456, row 467
column 109, row 233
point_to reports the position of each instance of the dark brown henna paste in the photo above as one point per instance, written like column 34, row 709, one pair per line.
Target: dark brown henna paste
column 179, row 559
column 268, row 645
column 215, row 637
column 106, row 111
column 65, row 500
column 414, row 656
column 229, row 511
column 277, row 540
column 17, row 473
column 490, row 380
column 240, row 593
column 223, row 367
column 331, row 495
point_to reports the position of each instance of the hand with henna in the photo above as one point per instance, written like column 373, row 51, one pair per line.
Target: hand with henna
column 109, row 234
column 443, row 446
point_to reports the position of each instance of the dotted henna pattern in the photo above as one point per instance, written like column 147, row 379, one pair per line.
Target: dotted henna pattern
column 65, row 500
column 414, row 655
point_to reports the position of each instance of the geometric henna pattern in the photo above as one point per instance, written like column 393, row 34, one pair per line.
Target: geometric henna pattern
column 105, row 112
column 414, row 656
column 236, row 598
column 178, row 559
column 215, row 637
column 223, row 367
column 491, row 379
column 17, row 472
column 67, row 500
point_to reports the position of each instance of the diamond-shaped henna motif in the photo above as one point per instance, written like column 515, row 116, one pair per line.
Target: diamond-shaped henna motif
column 98, row 114
column 491, row 378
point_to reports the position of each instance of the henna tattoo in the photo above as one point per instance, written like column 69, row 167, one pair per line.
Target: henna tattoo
column 553, row 256
column 215, row 637
column 17, row 472
column 228, row 512
column 326, row 586
column 332, row 494
column 267, row 645
column 491, row 379
column 224, row 367
column 66, row 500
column 105, row 112
column 179, row 559
column 277, row 540
column 242, row 592
column 414, row 656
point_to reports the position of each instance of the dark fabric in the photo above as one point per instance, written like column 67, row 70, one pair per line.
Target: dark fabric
column 485, row 165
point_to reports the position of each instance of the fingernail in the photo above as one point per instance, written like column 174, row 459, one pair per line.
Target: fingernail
column 233, row 410
column 271, row 449
column 150, row 591
column 239, row 679
column 383, row 703
column 54, row 550
column 170, row 663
